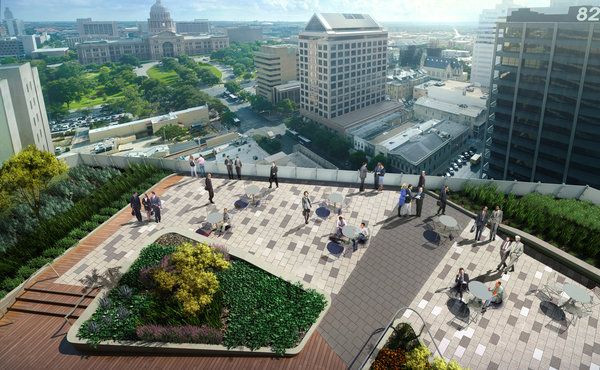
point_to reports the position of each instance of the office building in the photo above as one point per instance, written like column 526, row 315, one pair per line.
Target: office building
column 50, row 52
column 28, row 105
column 160, row 19
column 483, row 49
column 372, row 136
column 88, row 28
column 198, row 26
column 545, row 110
column 399, row 86
column 458, row 54
column 245, row 34
column 20, row 46
column 10, row 141
column 14, row 27
column 444, row 68
column 275, row 65
column 342, row 68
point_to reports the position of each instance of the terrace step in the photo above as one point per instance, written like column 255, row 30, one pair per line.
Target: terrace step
column 53, row 298
column 61, row 289
column 45, row 309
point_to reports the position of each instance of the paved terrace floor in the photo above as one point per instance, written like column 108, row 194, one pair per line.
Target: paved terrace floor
column 400, row 266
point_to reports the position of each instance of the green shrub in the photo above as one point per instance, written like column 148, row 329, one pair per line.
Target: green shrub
column 88, row 226
column 99, row 219
column 25, row 271
column 108, row 211
column 418, row 358
column 77, row 234
column 150, row 256
column 3, row 293
column 265, row 310
column 118, row 204
column 9, row 284
column 38, row 262
column 65, row 243
column 53, row 252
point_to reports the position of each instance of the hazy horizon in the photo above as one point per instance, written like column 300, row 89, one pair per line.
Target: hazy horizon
column 385, row 11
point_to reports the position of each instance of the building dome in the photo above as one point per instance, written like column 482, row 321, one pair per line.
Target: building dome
column 160, row 19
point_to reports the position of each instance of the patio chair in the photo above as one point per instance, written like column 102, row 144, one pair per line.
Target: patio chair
column 576, row 312
column 552, row 288
column 588, row 307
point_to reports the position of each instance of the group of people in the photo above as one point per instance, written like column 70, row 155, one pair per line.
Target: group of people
column 483, row 218
column 360, row 238
column 461, row 285
column 197, row 165
column 152, row 206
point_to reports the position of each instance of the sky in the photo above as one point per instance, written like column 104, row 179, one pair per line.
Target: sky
column 443, row 11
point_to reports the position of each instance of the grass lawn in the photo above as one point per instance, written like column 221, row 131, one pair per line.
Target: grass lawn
column 212, row 68
column 88, row 102
column 166, row 77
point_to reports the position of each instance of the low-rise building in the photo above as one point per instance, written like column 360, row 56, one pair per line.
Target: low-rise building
column 148, row 126
column 444, row 68
column 19, row 46
column 198, row 26
column 245, row 34
column 371, row 136
column 472, row 116
column 289, row 90
column 50, row 52
column 452, row 92
column 453, row 53
column 427, row 146
column 88, row 28
column 399, row 86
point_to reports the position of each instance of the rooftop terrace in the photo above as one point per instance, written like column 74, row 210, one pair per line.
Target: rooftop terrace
column 403, row 264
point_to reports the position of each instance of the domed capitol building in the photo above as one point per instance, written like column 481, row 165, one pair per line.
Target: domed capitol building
column 161, row 41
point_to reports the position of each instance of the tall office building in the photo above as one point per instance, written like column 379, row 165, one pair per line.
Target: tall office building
column 14, row 27
column 483, row 49
column 10, row 142
column 342, row 68
column 275, row 65
column 86, row 27
column 546, row 107
column 198, row 26
column 28, row 104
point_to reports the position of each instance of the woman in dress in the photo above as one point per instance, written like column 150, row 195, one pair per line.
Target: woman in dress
column 147, row 206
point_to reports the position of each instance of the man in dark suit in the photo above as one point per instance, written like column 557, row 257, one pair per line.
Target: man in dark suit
column 421, row 183
column 209, row 187
column 136, row 205
column 461, row 282
column 229, row 164
column 273, row 176
column 419, row 197
column 156, row 206
column 480, row 221
column 238, row 167
column 442, row 201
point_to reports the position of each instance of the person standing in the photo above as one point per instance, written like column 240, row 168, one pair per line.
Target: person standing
column 208, row 186
column 442, row 201
column 419, row 199
column 495, row 220
column 362, row 175
column 147, row 206
column 193, row 172
column 381, row 175
column 273, row 176
column 306, row 206
column 200, row 162
column 136, row 205
column 408, row 200
column 376, row 176
column 480, row 221
column 229, row 164
column 401, row 200
column 516, row 252
column 505, row 250
column 156, row 206
column 238, row 166
column 421, row 183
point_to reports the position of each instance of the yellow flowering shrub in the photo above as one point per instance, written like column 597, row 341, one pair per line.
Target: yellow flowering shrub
column 191, row 277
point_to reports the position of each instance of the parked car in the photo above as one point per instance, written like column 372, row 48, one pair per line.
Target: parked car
column 471, row 153
column 448, row 174
column 455, row 166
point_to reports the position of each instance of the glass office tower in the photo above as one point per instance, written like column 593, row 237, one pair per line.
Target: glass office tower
column 546, row 97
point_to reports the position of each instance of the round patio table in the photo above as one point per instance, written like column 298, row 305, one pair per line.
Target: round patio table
column 253, row 190
column 335, row 198
column 448, row 221
column 479, row 290
column 576, row 293
column 350, row 231
column 214, row 218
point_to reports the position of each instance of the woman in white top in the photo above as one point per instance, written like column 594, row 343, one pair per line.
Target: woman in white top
column 193, row 172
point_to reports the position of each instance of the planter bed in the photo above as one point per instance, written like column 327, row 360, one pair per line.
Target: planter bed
column 184, row 294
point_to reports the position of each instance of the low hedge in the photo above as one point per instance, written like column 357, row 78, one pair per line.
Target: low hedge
column 570, row 224
column 74, row 224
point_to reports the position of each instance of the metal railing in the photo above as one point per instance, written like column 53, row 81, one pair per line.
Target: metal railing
column 519, row 188
column 390, row 325
column 83, row 296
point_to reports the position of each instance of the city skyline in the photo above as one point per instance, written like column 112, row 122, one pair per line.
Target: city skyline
column 427, row 11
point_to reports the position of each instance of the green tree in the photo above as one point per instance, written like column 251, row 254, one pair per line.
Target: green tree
column 228, row 118
column 68, row 70
column 378, row 158
column 286, row 106
column 207, row 77
column 260, row 104
column 239, row 69
column 232, row 86
column 66, row 90
column 9, row 60
column 247, row 75
column 132, row 60
column 28, row 173
column 132, row 102
column 357, row 159
column 170, row 132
